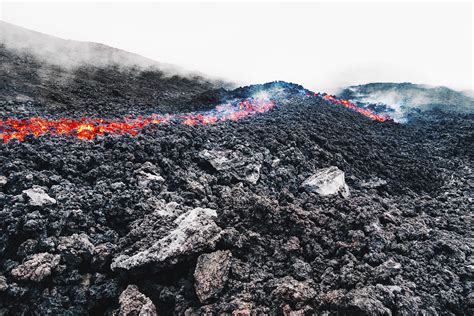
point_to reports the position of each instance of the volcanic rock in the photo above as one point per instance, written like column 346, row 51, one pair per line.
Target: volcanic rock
column 75, row 249
column 242, row 167
column 327, row 181
column 211, row 274
column 133, row 302
column 387, row 269
column 167, row 236
column 373, row 183
column 3, row 283
column 38, row 197
column 293, row 291
column 3, row 181
column 147, row 174
column 39, row 267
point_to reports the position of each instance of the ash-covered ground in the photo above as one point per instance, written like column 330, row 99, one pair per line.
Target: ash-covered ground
column 230, row 218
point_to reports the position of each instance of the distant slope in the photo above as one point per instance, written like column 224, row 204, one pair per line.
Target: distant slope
column 62, row 73
column 400, row 99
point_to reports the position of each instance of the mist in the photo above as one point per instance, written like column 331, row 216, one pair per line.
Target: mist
column 322, row 46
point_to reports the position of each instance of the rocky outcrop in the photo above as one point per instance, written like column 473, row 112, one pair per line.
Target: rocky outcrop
column 38, row 268
column 168, row 235
column 38, row 197
column 133, row 303
column 327, row 181
column 211, row 274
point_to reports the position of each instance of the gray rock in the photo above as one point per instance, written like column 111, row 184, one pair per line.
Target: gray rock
column 292, row 290
column 366, row 302
column 240, row 166
column 387, row 269
column 373, row 183
column 168, row 235
column 38, row 197
column 327, row 181
column 75, row 248
column 38, row 268
column 3, row 181
column 147, row 174
column 211, row 274
column 3, row 283
column 133, row 302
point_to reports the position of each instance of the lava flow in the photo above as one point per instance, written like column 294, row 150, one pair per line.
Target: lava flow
column 87, row 129
column 348, row 104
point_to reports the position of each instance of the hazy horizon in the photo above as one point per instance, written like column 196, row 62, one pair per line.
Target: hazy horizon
column 322, row 46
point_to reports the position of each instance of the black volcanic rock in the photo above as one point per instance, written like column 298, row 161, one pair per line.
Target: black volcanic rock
column 145, row 222
column 399, row 243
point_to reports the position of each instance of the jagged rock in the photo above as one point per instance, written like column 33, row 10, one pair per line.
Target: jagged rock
column 75, row 248
column 147, row 174
column 367, row 302
column 3, row 283
column 327, row 181
column 240, row 166
column 373, row 183
column 165, row 237
column 292, row 290
column 38, row 197
column 211, row 274
column 133, row 302
column 388, row 269
column 39, row 267
column 3, row 181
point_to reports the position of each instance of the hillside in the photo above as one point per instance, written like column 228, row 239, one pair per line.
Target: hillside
column 400, row 100
column 61, row 75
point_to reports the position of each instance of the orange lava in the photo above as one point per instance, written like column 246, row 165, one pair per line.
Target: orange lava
column 87, row 129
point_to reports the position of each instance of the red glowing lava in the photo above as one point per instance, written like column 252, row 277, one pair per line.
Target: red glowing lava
column 352, row 106
column 86, row 128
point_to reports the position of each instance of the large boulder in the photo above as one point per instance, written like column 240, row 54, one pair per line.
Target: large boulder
column 166, row 236
column 240, row 166
column 133, row 302
column 211, row 274
column 38, row 268
column 36, row 196
column 327, row 181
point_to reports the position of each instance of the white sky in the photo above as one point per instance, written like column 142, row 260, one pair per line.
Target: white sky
column 319, row 45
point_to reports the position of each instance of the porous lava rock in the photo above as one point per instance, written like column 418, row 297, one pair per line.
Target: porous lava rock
column 167, row 235
column 211, row 274
column 36, row 269
column 132, row 302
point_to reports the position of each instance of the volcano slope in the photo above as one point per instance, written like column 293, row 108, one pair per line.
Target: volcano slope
column 213, row 219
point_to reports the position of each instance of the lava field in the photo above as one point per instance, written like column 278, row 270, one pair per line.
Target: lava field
column 262, row 200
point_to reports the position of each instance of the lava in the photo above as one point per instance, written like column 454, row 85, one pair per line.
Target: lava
column 348, row 104
column 88, row 129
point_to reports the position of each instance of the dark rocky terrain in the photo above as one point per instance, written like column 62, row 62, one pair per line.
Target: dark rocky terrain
column 230, row 218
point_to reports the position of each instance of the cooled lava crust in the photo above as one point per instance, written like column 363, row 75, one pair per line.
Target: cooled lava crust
column 399, row 244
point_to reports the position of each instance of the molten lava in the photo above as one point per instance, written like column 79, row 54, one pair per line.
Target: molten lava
column 87, row 128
